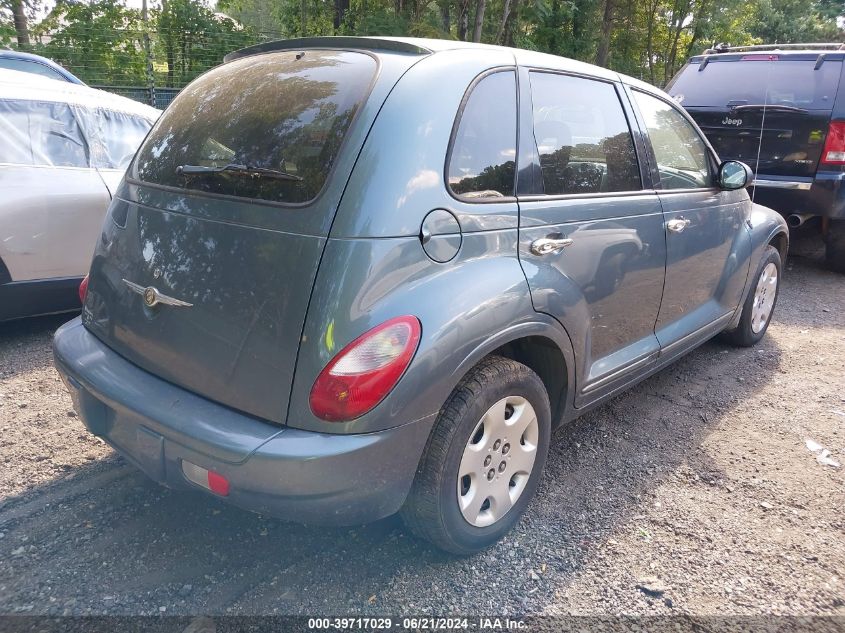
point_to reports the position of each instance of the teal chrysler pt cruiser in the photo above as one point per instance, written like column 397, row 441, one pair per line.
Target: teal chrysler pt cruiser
column 348, row 277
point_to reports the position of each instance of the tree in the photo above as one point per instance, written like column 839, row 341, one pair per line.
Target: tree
column 101, row 40
column 21, row 27
column 605, row 34
column 194, row 38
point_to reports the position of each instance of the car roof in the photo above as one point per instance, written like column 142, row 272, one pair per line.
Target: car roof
column 16, row 85
column 426, row 46
column 64, row 72
column 807, row 54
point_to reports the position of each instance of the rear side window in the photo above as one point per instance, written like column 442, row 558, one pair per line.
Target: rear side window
column 482, row 163
column 267, row 127
column 583, row 139
column 40, row 133
column 755, row 82
column 681, row 155
column 113, row 136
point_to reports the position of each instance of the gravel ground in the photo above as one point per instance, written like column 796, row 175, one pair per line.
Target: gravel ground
column 694, row 493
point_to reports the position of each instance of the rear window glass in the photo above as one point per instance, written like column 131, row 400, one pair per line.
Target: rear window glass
column 272, row 124
column 40, row 133
column 483, row 159
column 782, row 82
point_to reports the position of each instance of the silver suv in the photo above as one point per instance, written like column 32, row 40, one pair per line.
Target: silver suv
column 63, row 152
column 346, row 277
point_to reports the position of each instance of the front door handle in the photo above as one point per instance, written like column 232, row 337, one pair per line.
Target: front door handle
column 548, row 245
column 677, row 225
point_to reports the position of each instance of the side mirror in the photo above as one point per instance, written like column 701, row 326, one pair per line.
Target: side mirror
column 735, row 175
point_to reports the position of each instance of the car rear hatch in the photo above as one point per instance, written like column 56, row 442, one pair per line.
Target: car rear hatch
column 774, row 105
column 206, row 263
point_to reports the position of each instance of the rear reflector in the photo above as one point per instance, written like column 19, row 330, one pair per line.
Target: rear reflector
column 208, row 479
column 834, row 145
column 83, row 289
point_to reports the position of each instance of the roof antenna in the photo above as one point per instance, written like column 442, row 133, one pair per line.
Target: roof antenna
column 762, row 127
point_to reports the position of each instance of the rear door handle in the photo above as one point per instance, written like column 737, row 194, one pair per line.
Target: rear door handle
column 677, row 225
column 548, row 245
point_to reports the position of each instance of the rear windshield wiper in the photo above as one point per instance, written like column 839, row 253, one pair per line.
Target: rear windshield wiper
column 245, row 170
column 768, row 106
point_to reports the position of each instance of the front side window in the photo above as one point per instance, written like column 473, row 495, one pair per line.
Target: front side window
column 681, row 155
column 40, row 133
column 583, row 139
column 113, row 136
column 267, row 127
column 482, row 163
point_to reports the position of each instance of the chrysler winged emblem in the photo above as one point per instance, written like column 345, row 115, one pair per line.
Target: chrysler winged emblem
column 152, row 297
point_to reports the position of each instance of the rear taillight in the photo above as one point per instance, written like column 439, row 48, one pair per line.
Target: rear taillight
column 365, row 371
column 834, row 146
column 83, row 289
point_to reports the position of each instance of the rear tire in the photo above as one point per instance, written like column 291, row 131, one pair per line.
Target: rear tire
column 483, row 460
column 835, row 250
column 760, row 303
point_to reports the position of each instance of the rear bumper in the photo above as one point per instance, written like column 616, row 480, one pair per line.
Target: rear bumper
column 299, row 475
column 823, row 195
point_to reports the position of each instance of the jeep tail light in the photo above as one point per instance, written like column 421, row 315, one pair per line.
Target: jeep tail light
column 364, row 372
column 834, row 146
column 83, row 289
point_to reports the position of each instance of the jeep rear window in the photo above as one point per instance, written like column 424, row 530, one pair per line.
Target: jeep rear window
column 287, row 112
column 754, row 82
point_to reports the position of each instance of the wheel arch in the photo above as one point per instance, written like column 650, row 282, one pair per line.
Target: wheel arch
column 780, row 240
column 542, row 346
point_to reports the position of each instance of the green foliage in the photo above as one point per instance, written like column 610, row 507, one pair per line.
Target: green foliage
column 791, row 21
column 189, row 34
column 99, row 40
column 103, row 40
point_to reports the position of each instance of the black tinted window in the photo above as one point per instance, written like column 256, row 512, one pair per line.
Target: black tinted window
column 40, row 133
column 781, row 82
column 582, row 135
column 284, row 112
column 483, row 159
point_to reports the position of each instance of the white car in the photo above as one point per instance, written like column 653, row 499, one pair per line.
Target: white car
column 63, row 153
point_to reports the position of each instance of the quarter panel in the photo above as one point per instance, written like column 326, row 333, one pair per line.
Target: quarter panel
column 463, row 306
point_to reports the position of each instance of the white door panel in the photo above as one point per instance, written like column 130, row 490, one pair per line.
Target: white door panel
column 50, row 218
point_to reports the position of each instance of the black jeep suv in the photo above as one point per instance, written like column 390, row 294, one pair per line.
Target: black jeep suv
column 780, row 109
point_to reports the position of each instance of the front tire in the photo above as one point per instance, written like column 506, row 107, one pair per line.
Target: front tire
column 760, row 303
column 483, row 460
